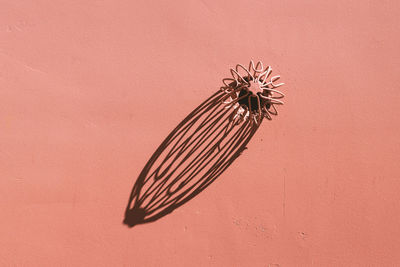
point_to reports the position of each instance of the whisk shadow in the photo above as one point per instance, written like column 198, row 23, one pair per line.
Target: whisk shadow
column 192, row 156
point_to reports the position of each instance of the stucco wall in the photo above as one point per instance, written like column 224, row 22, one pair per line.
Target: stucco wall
column 89, row 90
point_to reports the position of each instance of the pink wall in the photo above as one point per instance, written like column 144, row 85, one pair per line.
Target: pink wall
column 89, row 89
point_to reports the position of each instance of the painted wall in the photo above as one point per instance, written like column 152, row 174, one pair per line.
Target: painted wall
column 89, row 90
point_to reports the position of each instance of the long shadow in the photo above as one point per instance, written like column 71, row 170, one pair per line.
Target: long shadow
column 192, row 156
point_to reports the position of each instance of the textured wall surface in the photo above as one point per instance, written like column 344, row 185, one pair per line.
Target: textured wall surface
column 89, row 89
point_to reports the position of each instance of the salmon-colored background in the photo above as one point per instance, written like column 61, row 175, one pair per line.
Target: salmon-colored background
column 89, row 89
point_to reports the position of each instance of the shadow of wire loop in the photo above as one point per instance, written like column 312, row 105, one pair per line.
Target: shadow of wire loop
column 192, row 156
